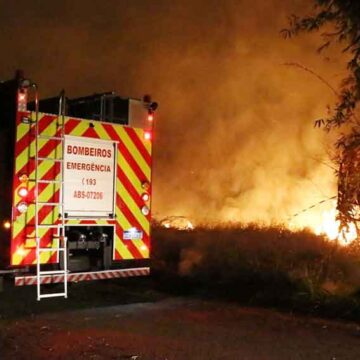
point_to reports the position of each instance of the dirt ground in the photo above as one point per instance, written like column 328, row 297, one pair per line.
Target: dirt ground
column 146, row 326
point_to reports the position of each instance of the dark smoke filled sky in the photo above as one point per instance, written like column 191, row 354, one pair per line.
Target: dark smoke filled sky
column 235, row 137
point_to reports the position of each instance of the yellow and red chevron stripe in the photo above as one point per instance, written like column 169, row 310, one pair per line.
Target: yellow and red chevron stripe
column 133, row 168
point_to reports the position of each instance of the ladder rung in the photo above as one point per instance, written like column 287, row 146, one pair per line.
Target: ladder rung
column 49, row 159
column 51, row 249
column 50, row 181
column 43, row 296
column 47, row 137
column 52, row 272
column 44, row 203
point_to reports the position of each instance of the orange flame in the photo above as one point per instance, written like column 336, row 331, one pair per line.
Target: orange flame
column 325, row 223
column 330, row 227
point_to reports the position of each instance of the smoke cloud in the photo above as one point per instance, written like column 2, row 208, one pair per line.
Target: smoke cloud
column 234, row 135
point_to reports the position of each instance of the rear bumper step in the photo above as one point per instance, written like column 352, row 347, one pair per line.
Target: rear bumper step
column 82, row 276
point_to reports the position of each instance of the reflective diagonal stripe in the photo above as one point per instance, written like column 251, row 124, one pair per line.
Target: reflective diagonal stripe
column 101, row 132
column 125, row 249
column 126, row 153
column 44, row 195
column 125, row 246
column 124, row 166
column 135, row 136
column 79, row 129
column 133, row 207
column 130, row 187
column 23, row 131
column 23, row 229
column 133, row 168
column 134, row 151
column 23, row 157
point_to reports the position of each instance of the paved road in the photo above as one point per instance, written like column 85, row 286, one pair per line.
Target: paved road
column 177, row 328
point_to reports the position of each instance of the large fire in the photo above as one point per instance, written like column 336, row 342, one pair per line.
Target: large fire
column 325, row 223
column 331, row 228
column 321, row 223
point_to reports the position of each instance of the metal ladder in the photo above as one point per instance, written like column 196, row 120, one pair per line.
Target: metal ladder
column 60, row 227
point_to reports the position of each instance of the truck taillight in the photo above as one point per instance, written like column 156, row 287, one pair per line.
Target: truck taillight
column 147, row 135
column 22, row 207
column 145, row 196
column 145, row 210
column 22, row 100
column 23, row 192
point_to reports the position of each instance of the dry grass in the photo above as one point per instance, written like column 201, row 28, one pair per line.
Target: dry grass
column 270, row 266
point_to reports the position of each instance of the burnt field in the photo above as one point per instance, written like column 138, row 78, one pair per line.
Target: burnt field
column 205, row 284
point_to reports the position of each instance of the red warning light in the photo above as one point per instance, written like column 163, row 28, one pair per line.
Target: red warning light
column 22, row 100
column 147, row 135
column 150, row 117
column 22, row 207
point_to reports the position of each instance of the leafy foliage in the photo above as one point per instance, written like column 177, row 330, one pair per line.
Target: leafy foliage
column 344, row 15
column 344, row 18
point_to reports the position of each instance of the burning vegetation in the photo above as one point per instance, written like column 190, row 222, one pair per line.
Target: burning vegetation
column 331, row 227
column 328, row 224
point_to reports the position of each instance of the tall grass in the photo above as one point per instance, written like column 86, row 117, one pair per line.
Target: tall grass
column 270, row 266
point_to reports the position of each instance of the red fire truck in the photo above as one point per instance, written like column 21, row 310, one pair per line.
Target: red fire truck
column 75, row 179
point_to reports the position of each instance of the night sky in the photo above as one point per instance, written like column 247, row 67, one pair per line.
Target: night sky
column 234, row 135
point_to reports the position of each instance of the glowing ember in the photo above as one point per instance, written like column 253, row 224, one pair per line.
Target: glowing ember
column 331, row 228
column 177, row 222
